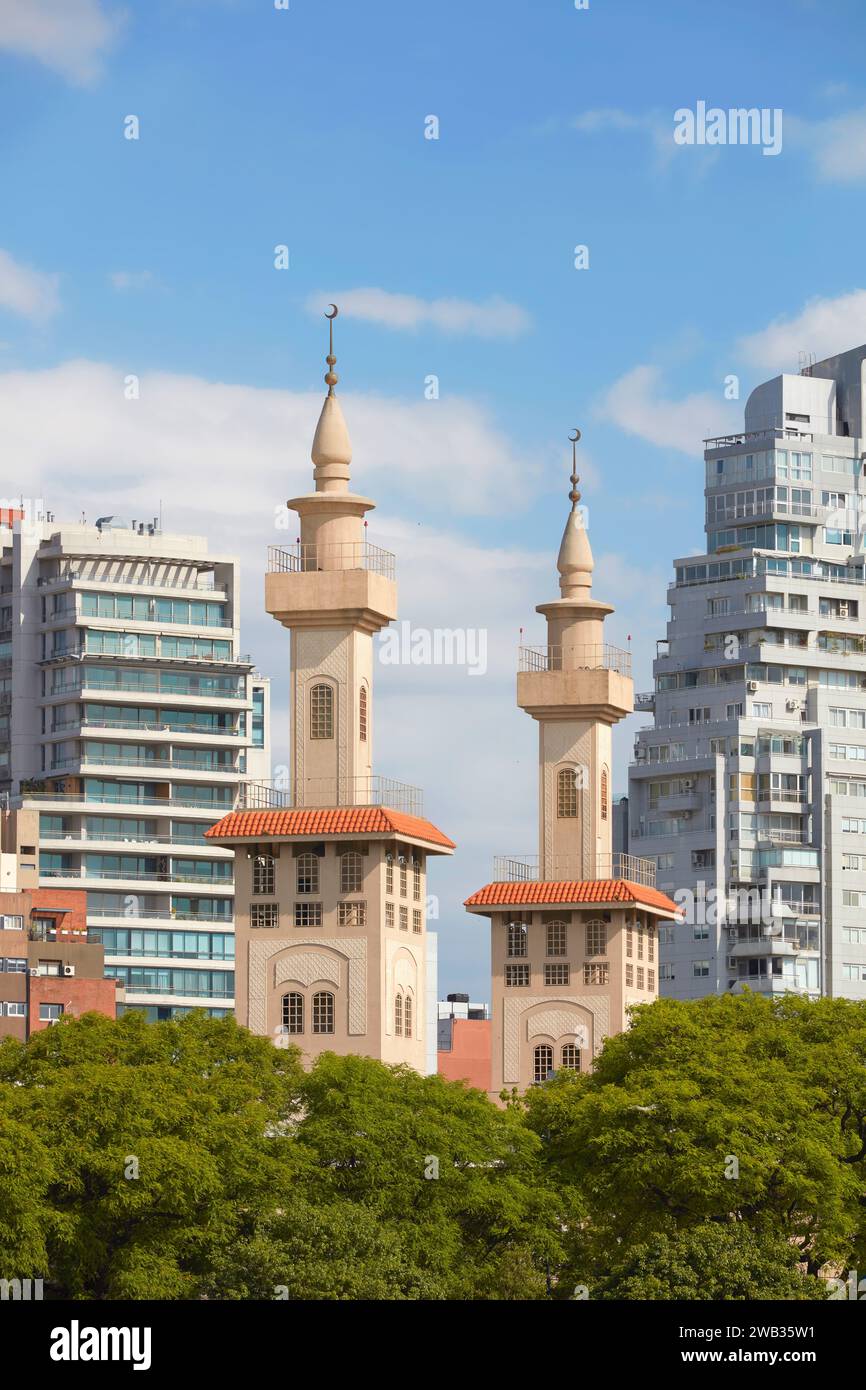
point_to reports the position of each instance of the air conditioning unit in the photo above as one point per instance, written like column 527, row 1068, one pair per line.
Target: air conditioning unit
column 751, row 685
column 790, row 704
column 69, row 969
column 34, row 971
column 843, row 610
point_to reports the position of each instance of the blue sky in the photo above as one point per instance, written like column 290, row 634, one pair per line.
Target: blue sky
column 261, row 127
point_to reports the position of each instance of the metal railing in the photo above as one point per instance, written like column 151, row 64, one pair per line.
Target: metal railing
column 585, row 658
column 526, row 868
column 154, row 687
column 326, row 792
column 335, row 555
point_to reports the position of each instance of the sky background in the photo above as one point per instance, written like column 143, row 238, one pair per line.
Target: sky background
column 262, row 127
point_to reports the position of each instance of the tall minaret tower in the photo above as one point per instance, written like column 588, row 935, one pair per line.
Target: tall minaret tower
column 577, row 688
column 573, row 931
column 332, row 951
column 338, row 592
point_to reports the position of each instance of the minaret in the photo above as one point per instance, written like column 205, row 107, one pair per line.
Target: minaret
column 331, row 942
column 333, row 594
column 573, row 935
column 577, row 688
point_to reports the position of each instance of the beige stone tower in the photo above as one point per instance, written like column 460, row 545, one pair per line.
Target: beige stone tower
column 332, row 949
column 573, row 940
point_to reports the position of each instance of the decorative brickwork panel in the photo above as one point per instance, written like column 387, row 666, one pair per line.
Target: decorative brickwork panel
column 598, row 1008
column 353, row 951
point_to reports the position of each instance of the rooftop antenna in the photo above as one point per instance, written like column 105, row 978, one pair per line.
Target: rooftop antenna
column 575, row 479
column 331, row 377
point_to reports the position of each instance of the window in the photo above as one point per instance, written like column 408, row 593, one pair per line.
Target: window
column 629, row 973
column 49, row 967
column 15, row 1009
column 404, row 877
column 264, row 915
column 666, row 936
column 666, row 971
column 404, row 918
column 605, row 797
column 639, row 935
column 264, row 874
column 702, row 932
column 516, row 976
column 362, row 714
column 389, row 914
column 323, row 1012
column 50, row 1013
column 352, row 914
column 557, row 974
column 308, row 915
column 11, row 922
column 351, row 872
column 416, row 880
column 566, row 792
column 700, row 969
column 640, row 973
column 322, row 711
column 416, row 919
column 515, row 938
column 293, row 1013
column 308, row 873
column 407, row 1016
column 398, row 1015
column 557, row 934
column 542, row 1062
column 596, row 973
column 651, row 979
column 596, row 938
column 762, row 709
column 629, row 939
column 571, row 1057
column 389, row 875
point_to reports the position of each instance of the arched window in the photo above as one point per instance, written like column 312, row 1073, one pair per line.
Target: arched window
column 362, row 714
column 264, row 874
column 516, row 939
column 571, row 1057
column 566, row 792
column 351, row 872
column 398, row 1015
column 293, row 1013
column 407, row 1016
column 322, row 711
column 605, row 794
column 596, row 937
column 308, row 873
column 542, row 1062
column 323, row 1012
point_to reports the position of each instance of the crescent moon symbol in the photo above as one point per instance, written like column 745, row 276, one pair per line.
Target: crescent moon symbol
column 574, row 437
column 335, row 313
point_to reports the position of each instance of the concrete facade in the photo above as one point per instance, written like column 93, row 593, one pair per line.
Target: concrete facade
column 748, row 789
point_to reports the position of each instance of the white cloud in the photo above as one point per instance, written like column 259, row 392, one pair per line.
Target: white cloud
column 835, row 144
column 69, row 36
column 492, row 318
column 823, row 326
column 131, row 279
column 30, row 293
column 635, row 404
column 655, row 126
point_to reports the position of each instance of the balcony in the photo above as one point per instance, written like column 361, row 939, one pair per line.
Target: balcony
column 526, row 869
column 645, row 702
column 339, row 555
column 591, row 658
column 327, row 792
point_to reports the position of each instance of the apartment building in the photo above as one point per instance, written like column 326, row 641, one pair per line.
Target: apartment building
column 48, row 968
column 129, row 719
column 748, row 789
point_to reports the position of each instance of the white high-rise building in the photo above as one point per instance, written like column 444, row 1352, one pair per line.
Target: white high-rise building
column 129, row 719
column 749, row 789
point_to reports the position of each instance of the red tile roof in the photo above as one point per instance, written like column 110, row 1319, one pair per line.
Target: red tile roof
column 347, row 820
column 604, row 890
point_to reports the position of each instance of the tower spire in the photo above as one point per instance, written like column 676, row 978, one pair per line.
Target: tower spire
column 332, row 448
column 575, row 562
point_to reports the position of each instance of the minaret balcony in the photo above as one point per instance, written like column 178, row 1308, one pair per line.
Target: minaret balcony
column 527, row 868
column 333, row 584
column 324, row 793
column 592, row 658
